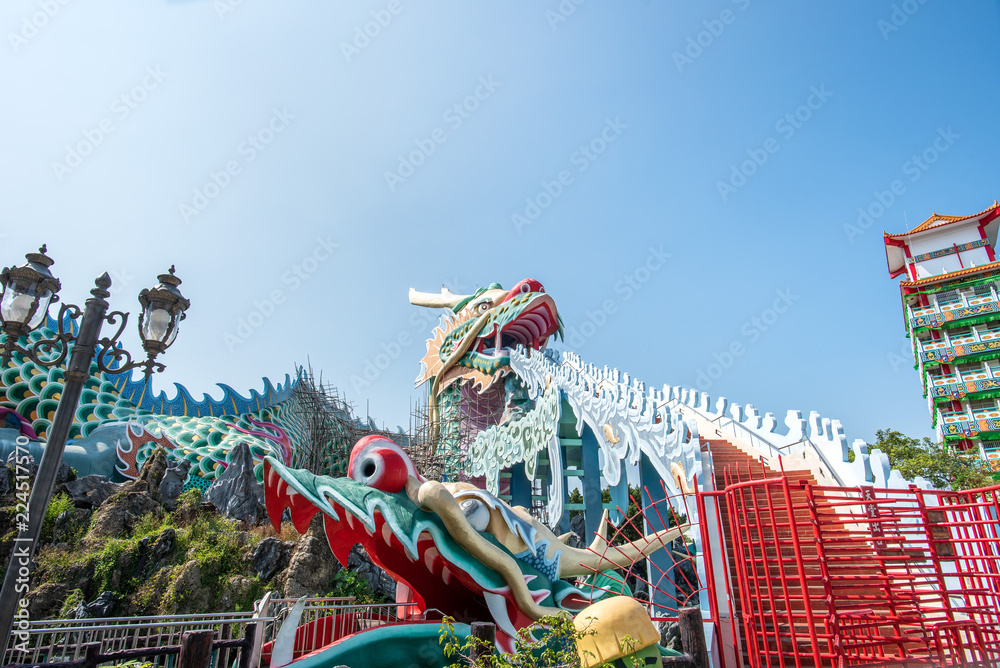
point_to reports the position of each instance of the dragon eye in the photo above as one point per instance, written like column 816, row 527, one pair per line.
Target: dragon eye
column 525, row 289
column 483, row 307
column 476, row 513
column 379, row 463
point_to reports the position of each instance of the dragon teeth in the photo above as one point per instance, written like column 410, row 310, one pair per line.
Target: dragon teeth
column 387, row 534
column 446, row 575
column 497, row 605
column 429, row 556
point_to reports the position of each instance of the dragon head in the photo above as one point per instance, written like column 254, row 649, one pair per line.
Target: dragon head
column 469, row 352
column 474, row 345
column 449, row 546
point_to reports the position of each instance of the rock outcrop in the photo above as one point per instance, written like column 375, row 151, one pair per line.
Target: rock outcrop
column 90, row 491
column 101, row 607
column 270, row 557
column 311, row 567
column 172, row 483
column 236, row 493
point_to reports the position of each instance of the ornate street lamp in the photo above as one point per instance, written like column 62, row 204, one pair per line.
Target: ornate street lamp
column 28, row 291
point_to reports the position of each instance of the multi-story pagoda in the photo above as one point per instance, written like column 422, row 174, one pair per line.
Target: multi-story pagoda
column 951, row 302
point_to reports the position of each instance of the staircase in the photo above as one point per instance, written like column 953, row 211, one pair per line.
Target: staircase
column 765, row 558
column 826, row 576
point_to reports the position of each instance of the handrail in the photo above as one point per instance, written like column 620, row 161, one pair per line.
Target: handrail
column 115, row 627
column 228, row 616
column 774, row 449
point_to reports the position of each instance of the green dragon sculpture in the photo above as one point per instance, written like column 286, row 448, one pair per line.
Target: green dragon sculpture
column 119, row 422
column 467, row 362
column 455, row 548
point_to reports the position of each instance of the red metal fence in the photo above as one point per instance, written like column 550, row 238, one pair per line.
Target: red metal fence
column 832, row 576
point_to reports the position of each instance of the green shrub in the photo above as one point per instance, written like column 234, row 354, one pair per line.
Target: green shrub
column 74, row 599
column 58, row 505
column 349, row 583
column 551, row 642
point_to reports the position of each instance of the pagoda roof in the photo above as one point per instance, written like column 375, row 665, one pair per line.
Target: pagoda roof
column 896, row 245
column 937, row 220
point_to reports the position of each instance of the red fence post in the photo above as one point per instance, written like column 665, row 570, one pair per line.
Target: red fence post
column 832, row 622
column 800, row 565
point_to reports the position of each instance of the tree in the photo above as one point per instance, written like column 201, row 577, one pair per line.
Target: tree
column 945, row 468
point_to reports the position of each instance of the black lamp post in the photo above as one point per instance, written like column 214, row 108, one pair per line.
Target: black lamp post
column 27, row 292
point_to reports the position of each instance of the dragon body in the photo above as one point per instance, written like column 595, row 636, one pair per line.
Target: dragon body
column 119, row 421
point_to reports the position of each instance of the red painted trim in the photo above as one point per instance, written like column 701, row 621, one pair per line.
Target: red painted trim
column 898, row 243
column 983, row 222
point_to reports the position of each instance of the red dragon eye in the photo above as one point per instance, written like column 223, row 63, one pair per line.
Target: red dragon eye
column 523, row 288
column 378, row 462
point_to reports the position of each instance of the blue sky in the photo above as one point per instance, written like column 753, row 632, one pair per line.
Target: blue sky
column 249, row 144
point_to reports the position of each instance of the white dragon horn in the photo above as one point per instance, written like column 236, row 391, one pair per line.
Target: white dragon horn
column 284, row 644
column 444, row 300
column 601, row 538
column 585, row 562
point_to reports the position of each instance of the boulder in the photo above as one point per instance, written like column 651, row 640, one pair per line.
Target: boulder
column 67, row 521
column 100, row 608
column 90, row 491
column 31, row 465
column 172, row 484
column 235, row 589
column 311, row 567
column 64, row 474
column 236, row 493
column 46, row 600
column 271, row 556
column 6, row 481
column 151, row 474
column 153, row 555
column 670, row 635
column 186, row 593
column 118, row 514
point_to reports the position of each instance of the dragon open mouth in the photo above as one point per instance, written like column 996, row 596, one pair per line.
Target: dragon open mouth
column 532, row 328
column 409, row 544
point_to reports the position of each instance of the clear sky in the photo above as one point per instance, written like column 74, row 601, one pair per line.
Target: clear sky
column 303, row 174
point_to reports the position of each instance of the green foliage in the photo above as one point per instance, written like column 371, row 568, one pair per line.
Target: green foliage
column 116, row 554
column 944, row 468
column 217, row 545
column 551, row 642
column 349, row 583
column 59, row 504
column 135, row 663
column 189, row 499
column 74, row 599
